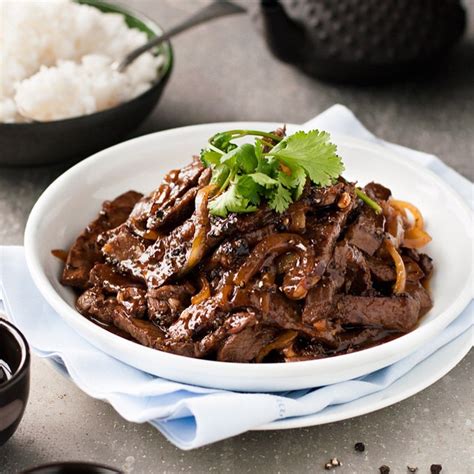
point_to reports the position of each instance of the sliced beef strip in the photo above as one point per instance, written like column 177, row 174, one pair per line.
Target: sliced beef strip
column 357, row 273
column 145, row 332
column 124, row 249
column 320, row 301
column 96, row 304
column 197, row 320
column 381, row 270
column 392, row 312
column 168, row 256
column 168, row 203
column 426, row 264
column 133, row 300
column 384, row 270
column 230, row 254
column 347, row 272
column 367, row 232
column 324, row 231
column 377, row 192
column 246, row 345
column 274, row 310
column 417, row 291
column 165, row 304
column 106, row 276
column 107, row 309
column 85, row 251
column 175, row 212
column 234, row 324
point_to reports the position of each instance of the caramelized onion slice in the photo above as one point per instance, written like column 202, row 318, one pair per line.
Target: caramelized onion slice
column 400, row 270
column 270, row 247
column 60, row 254
column 281, row 342
column 202, row 219
column 416, row 238
column 402, row 206
column 204, row 293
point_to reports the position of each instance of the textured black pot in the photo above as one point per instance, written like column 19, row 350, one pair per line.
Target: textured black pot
column 362, row 41
column 13, row 392
column 72, row 468
column 75, row 138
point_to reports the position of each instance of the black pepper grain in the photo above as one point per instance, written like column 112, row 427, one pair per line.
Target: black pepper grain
column 360, row 447
column 328, row 466
column 412, row 469
column 384, row 469
column 436, row 468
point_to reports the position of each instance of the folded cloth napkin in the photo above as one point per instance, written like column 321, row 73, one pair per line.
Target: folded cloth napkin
column 191, row 416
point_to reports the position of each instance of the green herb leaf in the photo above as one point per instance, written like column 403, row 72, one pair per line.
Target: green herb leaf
column 263, row 179
column 295, row 180
column 280, row 199
column 248, row 174
column 247, row 187
column 210, row 158
column 222, row 141
column 220, row 174
column 230, row 201
column 313, row 152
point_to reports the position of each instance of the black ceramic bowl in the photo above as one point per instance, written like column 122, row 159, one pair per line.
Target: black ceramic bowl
column 75, row 138
column 14, row 388
column 72, row 468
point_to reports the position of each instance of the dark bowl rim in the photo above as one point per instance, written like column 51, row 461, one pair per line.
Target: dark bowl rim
column 32, row 470
column 24, row 365
column 149, row 23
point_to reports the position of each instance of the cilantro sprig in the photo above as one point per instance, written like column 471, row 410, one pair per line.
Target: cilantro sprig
column 274, row 169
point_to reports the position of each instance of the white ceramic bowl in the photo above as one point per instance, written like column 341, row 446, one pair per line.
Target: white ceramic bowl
column 74, row 199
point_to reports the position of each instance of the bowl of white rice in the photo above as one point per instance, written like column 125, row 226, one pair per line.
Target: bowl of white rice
column 60, row 99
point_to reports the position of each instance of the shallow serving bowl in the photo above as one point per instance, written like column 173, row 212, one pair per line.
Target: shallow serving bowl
column 38, row 143
column 75, row 198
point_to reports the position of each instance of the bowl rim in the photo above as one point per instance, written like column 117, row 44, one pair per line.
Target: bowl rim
column 61, row 464
column 168, row 52
column 289, row 370
column 20, row 339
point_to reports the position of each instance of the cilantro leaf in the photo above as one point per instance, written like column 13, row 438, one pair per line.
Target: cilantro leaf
column 210, row 158
column 314, row 153
column 220, row 174
column 222, row 141
column 246, row 158
column 295, row 180
column 247, row 187
column 263, row 179
column 280, row 199
column 230, row 201
column 242, row 157
column 248, row 174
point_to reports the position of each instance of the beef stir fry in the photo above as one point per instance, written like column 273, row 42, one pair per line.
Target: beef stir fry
column 337, row 270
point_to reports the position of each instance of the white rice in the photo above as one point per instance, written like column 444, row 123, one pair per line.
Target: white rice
column 55, row 58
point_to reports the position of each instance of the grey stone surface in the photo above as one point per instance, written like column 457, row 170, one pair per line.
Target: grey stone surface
column 223, row 72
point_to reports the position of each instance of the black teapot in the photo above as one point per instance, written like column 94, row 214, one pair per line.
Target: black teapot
column 361, row 41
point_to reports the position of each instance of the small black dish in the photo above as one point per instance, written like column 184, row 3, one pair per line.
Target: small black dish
column 14, row 378
column 72, row 468
column 39, row 143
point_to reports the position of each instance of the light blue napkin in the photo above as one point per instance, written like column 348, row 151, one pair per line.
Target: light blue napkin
column 191, row 416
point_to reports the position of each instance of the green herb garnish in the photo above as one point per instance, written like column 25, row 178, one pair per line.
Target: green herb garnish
column 273, row 170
